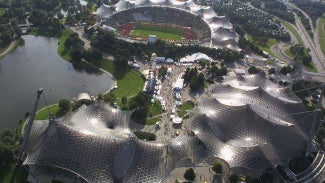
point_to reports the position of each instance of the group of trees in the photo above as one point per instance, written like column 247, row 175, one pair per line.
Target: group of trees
column 248, row 46
column 108, row 42
column 305, row 22
column 314, row 9
column 304, row 90
column 302, row 54
column 140, row 103
column 194, row 79
column 253, row 70
column 276, row 8
column 45, row 16
column 217, row 72
column 145, row 135
column 286, row 69
column 253, row 21
column 9, row 146
column 75, row 45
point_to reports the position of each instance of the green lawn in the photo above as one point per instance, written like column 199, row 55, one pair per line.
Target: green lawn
column 62, row 50
column 265, row 46
column 288, row 53
column 154, row 109
column 292, row 29
column 2, row 11
column 311, row 67
column 43, row 114
column 183, row 109
column 152, row 121
column 161, row 35
column 129, row 84
column 187, row 106
column 321, row 34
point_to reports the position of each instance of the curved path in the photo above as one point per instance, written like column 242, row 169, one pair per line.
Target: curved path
column 8, row 49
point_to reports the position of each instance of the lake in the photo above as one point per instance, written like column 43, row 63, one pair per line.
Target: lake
column 36, row 64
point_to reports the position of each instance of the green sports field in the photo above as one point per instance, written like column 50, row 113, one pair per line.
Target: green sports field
column 162, row 32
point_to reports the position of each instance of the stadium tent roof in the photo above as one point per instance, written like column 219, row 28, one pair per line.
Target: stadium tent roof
column 222, row 34
column 254, row 111
column 96, row 143
column 196, row 57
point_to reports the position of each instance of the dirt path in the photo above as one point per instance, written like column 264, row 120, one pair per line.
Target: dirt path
column 8, row 49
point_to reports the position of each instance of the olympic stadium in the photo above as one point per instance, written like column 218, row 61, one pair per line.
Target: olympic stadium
column 212, row 30
column 247, row 122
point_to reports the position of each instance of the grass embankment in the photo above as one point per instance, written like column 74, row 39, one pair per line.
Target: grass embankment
column 154, row 113
column 2, row 11
column 265, row 46
column 128, row 84
column 17, row 43
column 321, row 34
column 288, row 53
column 162, row 32
column 184, row 108
column 63, row 51
column 3, row 45
column 310, row 67
column 44, row 113
column 292, row 29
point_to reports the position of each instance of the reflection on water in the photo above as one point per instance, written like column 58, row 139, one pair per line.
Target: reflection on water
column 35, row 65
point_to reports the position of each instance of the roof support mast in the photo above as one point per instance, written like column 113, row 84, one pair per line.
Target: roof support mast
column 29, row 126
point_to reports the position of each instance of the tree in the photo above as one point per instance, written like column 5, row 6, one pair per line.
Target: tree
column 189, row 174
column 233, row 178
column 271, row 71
column 64, row 105
column 9, row 137
column 252, row 70
column 124, row 100
column 285, row 70
column 217, row 167
column 162, row 71
column 6, row 155
column 109, row 97
column 76, row 54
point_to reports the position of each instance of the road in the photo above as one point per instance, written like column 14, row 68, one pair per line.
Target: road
column 308, row 43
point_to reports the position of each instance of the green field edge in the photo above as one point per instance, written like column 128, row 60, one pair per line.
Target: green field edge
column 321, row 34
column 17, row 43
column 161, row 35
column 125, row 87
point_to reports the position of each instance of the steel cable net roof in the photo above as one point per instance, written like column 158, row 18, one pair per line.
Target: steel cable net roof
column 244, row 125
column 249, row 127
column 96, row 144
column 221, row 33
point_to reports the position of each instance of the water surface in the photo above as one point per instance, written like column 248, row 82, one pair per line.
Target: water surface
column 34, row 65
